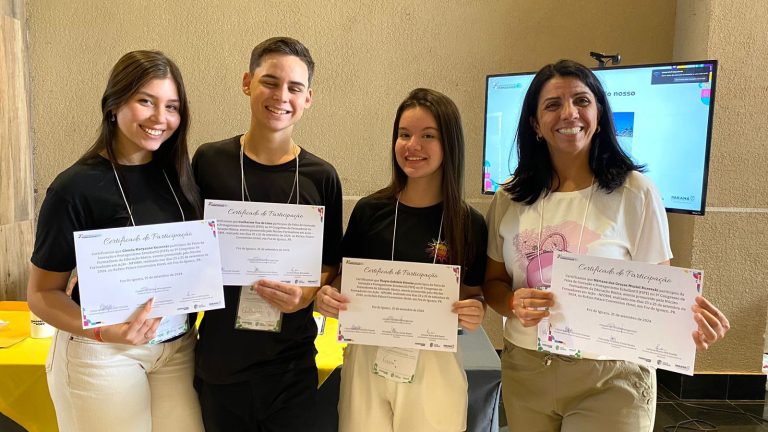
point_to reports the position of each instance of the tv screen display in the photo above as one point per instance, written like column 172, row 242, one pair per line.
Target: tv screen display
column 663, row 119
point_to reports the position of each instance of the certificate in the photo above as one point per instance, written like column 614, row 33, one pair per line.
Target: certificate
column 399, row 304
column 623, row 310
column 282, row 242
column 120, row 269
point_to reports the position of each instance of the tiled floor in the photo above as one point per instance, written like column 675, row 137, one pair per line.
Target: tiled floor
column 725, row 415
column 670, row 411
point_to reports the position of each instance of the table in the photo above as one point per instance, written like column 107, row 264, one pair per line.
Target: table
column 330, row 353
column 24, row 396
column 483, row 369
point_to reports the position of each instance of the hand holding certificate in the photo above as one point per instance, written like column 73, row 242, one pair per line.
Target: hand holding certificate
column 120, row 269
column 623, row 310
column 281, row 242
column 277, row 247
column 399, row 304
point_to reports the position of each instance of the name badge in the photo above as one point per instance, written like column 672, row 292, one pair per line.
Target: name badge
column 255, row 313
column 546, row 341
column 396, row 364
column 170, row 327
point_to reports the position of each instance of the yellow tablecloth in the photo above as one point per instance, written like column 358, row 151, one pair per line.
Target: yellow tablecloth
column 329, row 352
column 24, row 394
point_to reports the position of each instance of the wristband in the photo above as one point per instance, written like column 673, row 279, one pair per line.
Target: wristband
column 97, row 334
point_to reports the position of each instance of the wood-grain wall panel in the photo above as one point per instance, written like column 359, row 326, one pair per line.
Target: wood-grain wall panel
column 16, row 182
column 16, row 198
column 12, row 8
column 16, row 242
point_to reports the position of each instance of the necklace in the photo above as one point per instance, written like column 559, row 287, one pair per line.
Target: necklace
column 581, row 233
column 394, row 232
column 125, row 200
column 244, row 188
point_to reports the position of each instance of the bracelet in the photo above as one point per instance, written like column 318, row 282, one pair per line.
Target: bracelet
column 97, row 334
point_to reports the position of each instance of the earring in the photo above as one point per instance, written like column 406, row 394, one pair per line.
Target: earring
column 538, row 137
column 598, row 129
column 113, row 118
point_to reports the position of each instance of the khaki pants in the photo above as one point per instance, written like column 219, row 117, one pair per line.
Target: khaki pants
column 544, row 392
column 436, row 401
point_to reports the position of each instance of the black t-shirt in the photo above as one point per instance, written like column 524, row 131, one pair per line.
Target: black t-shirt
column 223, row 354
column 86, row 196
column 370, row 229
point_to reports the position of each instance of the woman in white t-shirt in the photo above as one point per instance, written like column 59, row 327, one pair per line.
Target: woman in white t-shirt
column 574, row 190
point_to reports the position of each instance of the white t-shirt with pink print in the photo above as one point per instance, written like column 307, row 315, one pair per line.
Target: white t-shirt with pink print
column 630, row 223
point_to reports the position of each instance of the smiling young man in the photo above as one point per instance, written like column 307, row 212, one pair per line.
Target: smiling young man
column 253, row 380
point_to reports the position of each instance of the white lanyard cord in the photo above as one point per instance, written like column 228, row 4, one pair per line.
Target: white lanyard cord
column 394, row 232
column 244, row 188
column 581, row 233
column 125, row 200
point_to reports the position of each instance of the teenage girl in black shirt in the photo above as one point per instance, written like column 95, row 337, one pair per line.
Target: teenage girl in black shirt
column 136, row 173
column 420, row 217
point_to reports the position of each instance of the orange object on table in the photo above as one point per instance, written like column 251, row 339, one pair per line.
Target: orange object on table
column 10, row 305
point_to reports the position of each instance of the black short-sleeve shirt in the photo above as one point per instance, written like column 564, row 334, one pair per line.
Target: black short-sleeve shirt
column 86, row 196
column 371, row 227
column 225, row 355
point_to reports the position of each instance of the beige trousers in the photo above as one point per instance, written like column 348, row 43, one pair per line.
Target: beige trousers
column 435, row 402
column 545, row 393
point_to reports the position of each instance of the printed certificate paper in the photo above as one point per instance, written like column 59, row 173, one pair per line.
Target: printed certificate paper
column 282, row 242
column 623, row 310
column 399, row 304
column 120, row 269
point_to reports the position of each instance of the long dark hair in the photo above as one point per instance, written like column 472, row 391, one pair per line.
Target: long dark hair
column 535, row 176
column 456, row 222
column 132, row 72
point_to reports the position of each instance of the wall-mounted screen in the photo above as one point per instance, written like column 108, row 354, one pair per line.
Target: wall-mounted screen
column 663, row 118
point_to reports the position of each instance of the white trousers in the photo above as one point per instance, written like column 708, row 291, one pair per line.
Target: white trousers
column 102, row 386
column 436, row 401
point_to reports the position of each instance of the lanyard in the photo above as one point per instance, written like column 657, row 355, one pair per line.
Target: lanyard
column 581, row 234
column 125, row 200
column 244, row 188
column 394, row 231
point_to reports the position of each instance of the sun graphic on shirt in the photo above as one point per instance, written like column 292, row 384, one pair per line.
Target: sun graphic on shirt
column 438, row 250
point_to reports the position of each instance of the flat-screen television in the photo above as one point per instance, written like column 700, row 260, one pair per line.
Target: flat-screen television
column 663, row 118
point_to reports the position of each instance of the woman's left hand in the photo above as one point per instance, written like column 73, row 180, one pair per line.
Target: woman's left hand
column 712, row 323
column 471, row 313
